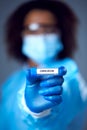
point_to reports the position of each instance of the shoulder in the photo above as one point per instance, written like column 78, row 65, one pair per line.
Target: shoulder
column 69, row 63
column 70, row 66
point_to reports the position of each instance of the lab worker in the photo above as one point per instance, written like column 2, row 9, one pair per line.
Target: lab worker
column 48, row 92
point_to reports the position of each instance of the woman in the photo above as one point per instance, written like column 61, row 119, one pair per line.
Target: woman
column 42, row 34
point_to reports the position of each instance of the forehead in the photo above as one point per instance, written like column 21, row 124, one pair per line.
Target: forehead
column 40, row 16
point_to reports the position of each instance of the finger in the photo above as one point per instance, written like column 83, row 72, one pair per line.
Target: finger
column 62, row 71
column 57, row 90
column 52, row 82
column 54, row 99
column 31, row 79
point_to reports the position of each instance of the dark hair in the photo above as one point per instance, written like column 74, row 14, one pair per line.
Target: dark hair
column 67, row 22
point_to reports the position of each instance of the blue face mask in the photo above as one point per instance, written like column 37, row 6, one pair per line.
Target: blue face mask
column 42, row 49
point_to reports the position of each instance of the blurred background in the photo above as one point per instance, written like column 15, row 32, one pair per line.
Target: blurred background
column 8, row 66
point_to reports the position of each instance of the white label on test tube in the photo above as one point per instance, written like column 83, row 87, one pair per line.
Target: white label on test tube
column 47, row 71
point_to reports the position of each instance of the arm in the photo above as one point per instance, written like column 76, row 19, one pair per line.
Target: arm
column 40, row 96
column 73, row 102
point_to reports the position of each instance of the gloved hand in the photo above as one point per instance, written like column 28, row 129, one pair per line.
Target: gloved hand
column 44, row 91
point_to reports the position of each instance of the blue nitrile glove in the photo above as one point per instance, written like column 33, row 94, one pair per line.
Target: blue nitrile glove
column 43, row 91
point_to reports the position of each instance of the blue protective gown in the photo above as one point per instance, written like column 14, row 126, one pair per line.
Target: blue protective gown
column 14, row 115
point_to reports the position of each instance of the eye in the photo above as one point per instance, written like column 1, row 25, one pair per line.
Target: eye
column 33, row 27
column 50, row 30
